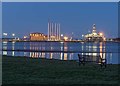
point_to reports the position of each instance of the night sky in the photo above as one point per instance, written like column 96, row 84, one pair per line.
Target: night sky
column 23, row 18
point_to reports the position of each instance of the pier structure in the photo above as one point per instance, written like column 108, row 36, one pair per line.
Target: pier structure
column 53, row 31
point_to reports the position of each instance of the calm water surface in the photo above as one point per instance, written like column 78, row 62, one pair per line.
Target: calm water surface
column 108, row 50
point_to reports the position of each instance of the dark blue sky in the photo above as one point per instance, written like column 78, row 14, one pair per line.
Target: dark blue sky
column 24, row 18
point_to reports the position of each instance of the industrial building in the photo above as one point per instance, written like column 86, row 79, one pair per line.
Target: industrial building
column 38, row 37
column 94, row 36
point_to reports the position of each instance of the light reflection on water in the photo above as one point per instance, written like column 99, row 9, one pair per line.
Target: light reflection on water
column 112, row 58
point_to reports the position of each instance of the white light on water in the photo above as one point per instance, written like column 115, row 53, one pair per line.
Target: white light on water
column 5, row 42
column 61, row 42
column 13, row 53
column 13, row 42
column 4, row 52
column 94, row 54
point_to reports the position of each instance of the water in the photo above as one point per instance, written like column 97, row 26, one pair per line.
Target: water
column 108, row 50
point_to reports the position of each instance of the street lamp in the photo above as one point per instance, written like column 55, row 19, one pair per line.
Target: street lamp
column 5, row 34
column 82, row 36
column 61, row 35
column 13, row 34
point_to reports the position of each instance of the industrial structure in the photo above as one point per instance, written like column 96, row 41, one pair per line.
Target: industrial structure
column 53, row 31
column 94, row 36
column 38, row 37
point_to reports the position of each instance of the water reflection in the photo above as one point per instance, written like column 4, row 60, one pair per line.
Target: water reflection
column 5, row 48
column 51, row 55
column 37, row 55
column 61, row 56
column 110, row 58
column 97, row 48
column 13, row 47
column 101, row 48
column 65, row 56
column 71, row 56
column 4, row 52
column 25, row 48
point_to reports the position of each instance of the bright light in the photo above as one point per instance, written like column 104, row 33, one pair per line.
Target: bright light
column 104, row 39
column 25, row 37
column 5, row 34
column 89, row 38
column 65, row 38
column 18, row 38
column 101, row 34
column 4, row 41
column 82, row 35
column 13, row 34
column 61, row 34
column 61, row 42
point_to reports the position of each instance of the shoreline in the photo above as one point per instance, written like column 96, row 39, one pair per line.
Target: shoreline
column 51, row 59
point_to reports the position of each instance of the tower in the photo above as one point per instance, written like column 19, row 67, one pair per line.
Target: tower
column 94, row 28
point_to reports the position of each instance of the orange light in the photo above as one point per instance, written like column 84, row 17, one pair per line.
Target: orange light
column 65, row 38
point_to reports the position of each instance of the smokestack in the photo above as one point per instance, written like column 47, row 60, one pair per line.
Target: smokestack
column 59, row 31
column 52, row 30
column 48, row 30
column 55, row 31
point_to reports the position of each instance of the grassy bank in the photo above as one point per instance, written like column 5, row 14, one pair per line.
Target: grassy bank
column 19, row 70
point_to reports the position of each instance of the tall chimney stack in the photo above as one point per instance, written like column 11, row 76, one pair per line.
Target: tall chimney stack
column 48, row 30
column 59, row 31
column 55, row 32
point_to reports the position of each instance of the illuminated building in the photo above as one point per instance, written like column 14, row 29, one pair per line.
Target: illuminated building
column 94, row 36
column 38, row 37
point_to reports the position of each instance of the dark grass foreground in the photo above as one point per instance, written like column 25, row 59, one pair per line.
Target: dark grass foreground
column 19, row 70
